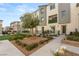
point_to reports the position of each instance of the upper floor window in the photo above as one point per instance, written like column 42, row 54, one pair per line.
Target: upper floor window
column 42, row 10
column 52, row 6
column 77, row 5
column 63, row 13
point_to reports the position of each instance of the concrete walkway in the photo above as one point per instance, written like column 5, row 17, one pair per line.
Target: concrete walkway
column 46, row 50
column 8, row 49
column 52, row 46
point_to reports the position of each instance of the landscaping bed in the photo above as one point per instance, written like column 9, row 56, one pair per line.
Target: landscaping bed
column 30, row 44
column 72, row 39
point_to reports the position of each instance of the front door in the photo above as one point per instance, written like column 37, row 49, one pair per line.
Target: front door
column 63, row 29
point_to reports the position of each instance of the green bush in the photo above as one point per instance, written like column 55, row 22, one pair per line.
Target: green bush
column 74, row 33
column 17, row 36
column 31, row 46
column 50, row 37
column 74, row 38
column 5, row 37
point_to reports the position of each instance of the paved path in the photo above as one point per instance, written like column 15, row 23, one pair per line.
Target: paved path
column 8, row 49
column 46, row 50
column 52, row 46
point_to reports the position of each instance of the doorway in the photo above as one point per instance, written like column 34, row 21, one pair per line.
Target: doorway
column 63, row 29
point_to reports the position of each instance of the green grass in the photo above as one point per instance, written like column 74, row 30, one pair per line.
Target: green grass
column 12, row 37
column 5, row 37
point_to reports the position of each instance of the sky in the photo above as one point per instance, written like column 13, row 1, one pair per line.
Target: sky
column 10, row 12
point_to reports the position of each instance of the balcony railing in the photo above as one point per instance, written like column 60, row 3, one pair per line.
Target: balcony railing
column 53, row 20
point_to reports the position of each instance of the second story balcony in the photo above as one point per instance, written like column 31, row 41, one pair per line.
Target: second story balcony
column 52, row 19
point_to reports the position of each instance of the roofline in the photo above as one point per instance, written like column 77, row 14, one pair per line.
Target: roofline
column 43, row 5
column 14, row 22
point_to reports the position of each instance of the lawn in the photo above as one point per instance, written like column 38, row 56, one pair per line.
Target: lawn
column 12, row 37
column 5, row 37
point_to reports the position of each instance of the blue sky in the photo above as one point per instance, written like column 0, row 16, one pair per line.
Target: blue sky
column 12, row 11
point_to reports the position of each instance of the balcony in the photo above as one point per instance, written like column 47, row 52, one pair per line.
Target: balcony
column 52, row 19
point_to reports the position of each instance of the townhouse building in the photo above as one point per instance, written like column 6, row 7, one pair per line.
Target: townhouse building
column 41, row 13
column 1, row 26
column 61, row 18
column 15, row 26
column 6, row 28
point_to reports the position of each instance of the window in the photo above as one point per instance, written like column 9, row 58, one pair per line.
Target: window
column 42, row 10
column 63, row 13
column 77, row 5
column 52, row 6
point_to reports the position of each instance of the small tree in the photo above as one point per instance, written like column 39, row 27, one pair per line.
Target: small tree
column 30, row 22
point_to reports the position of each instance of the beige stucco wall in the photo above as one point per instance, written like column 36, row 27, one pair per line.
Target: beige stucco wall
column 52, row 12
column 74, row 19
column 74, row 24
column 70, row 27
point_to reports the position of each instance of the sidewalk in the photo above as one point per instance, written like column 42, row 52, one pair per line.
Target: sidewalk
column 46, row 50
column 8, row 49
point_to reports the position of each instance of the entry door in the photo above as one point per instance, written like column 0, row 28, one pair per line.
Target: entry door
column 63, row 29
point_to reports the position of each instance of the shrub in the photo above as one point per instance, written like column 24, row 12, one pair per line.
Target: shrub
column 31, row 46
column 71, row 33
column 50, row 37
column 12, row 37
column 5, row 37
column 76, row 33
column 18, row 42
column 41, row 42
column 74, row 38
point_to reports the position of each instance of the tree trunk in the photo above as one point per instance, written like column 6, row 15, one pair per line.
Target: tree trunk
column 32, row 32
